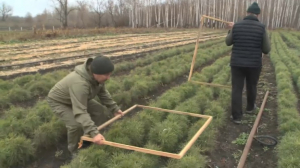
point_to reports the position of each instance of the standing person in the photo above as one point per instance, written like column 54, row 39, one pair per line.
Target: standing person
column 72, row 100
column 250, row 39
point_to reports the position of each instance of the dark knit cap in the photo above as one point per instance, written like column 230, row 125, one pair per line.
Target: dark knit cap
column 254, row 8
column 101, row 65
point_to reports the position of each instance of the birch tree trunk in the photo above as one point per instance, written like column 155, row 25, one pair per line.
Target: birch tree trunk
column 159, row 11
column 187, row 13
column 171, row 14
column 167, row 14
column 295, row 14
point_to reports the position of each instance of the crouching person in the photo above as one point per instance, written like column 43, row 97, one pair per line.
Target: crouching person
column 72, row 100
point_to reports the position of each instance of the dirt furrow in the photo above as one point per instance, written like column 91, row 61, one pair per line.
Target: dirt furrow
column 72, row 62
column 59, row 42
column 47, row 60
column 86, row 48
column 94, row 43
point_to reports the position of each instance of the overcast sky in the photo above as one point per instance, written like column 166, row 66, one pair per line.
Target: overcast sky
column 21, row 7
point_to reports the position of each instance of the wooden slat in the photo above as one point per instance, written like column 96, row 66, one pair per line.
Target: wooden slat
column 195, row 137
column 195, row 51
column 150, row 151
column 197, row 41
column 213, row 18
column 115, row 118
column 174, row 111
column 138, row 149
column 211, row 84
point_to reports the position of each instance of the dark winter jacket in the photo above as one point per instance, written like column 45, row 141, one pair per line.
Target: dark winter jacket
column 249, row 39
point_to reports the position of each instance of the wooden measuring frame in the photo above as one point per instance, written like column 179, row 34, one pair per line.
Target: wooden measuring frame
column 195, row 54
column 150, row 151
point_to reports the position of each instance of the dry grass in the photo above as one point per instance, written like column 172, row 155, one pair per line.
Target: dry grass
column 92, row 44
column 80, row 60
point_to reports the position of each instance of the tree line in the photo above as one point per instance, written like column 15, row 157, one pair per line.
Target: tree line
column 156, row 13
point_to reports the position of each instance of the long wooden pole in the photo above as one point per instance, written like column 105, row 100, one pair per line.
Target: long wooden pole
column 209, row 17
column 252, row 133
column 175, row 112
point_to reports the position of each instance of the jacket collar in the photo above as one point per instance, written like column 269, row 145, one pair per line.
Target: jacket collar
column 251, row 17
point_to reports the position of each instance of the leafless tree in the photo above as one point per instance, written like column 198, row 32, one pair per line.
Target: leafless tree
column 83, row 11
column 97, row 7
column 63, row 10
column 133, row 8
column 42, row 18
column 28, row 18
column 5, row 11
column 111, row 10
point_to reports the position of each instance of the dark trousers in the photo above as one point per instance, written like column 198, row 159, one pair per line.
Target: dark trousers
column 238, row 76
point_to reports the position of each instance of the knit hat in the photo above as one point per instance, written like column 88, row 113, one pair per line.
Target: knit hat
column 101, row 65
column 254, row 8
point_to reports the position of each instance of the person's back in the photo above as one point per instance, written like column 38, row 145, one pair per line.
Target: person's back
column 249, row 39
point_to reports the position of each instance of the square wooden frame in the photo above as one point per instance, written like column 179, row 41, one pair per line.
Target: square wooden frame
column 150, row 151
column 195, row 55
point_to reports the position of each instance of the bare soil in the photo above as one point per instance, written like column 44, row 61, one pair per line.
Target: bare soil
column 79, row 39
column 72, row 62
column 227, row 154
column 46, row 59
column 61, row 49
column 43, row 51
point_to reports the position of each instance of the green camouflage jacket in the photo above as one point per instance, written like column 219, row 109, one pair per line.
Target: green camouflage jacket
column 76, row 89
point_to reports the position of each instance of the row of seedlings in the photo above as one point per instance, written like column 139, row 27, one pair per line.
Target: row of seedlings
column 163, row 131
column 291, row 59
column 29, row 87
column 46, row 129
column 288, row 115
